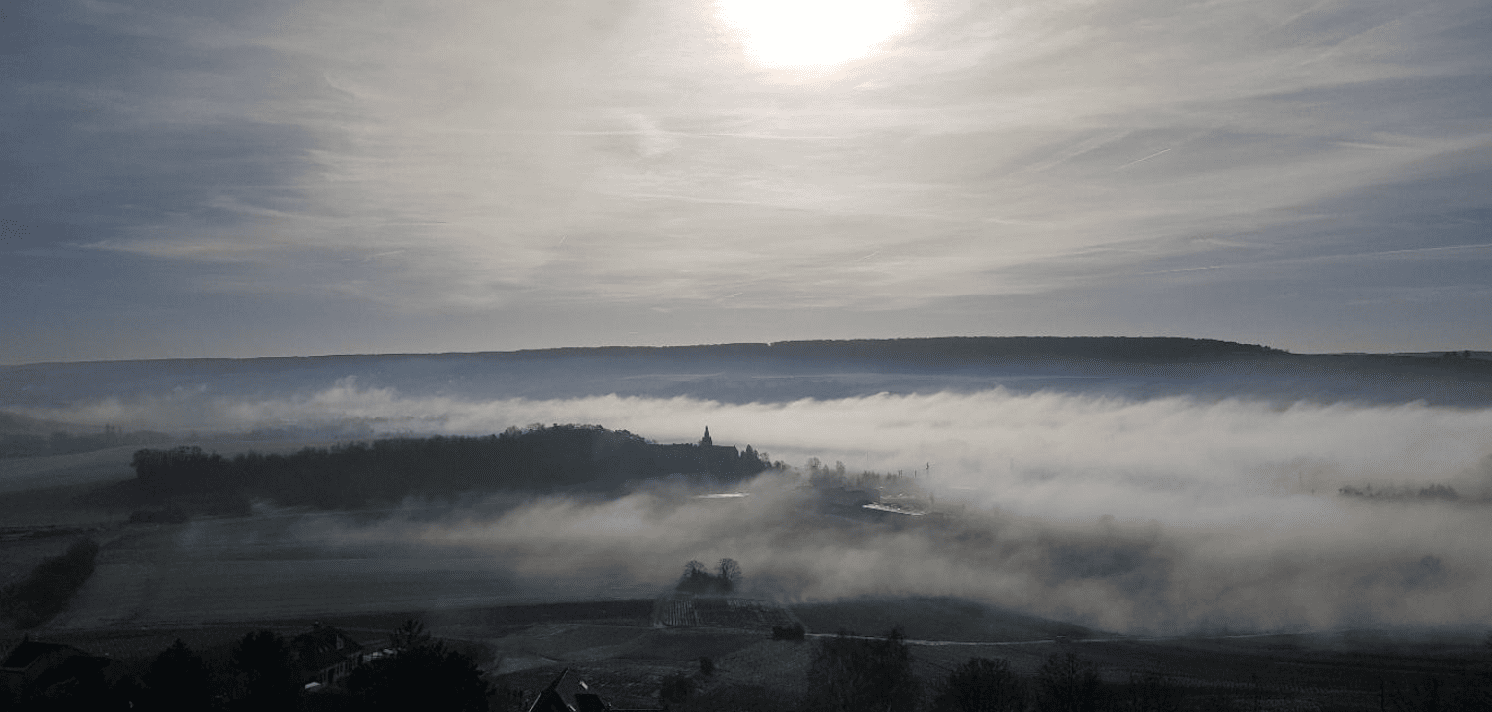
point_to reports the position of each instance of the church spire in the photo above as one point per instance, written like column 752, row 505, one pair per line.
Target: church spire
column 706, row 441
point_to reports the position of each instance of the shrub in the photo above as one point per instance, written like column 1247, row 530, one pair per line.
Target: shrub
column 788, row 632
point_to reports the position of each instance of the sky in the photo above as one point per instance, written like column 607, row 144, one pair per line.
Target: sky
column 276, row 177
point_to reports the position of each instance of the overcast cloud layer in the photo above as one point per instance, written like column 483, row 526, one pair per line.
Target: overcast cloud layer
column 324, row 176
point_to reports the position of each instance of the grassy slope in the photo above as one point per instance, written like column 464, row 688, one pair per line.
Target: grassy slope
column 932, row 619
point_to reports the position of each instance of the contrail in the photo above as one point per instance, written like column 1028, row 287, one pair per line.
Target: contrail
column 1138, row 160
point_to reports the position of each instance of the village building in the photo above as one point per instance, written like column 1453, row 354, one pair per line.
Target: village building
column 34, row 667
column 325, row 655
column 552, row 699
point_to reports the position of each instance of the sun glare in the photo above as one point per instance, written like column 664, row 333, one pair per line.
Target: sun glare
column 799, row 33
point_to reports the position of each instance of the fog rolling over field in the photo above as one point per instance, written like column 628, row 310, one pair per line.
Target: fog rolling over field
column 1148, row 516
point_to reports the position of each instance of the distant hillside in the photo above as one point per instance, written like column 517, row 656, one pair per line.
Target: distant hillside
column 781, row 371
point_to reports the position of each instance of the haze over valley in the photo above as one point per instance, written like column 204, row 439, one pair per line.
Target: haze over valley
column 1079, row 498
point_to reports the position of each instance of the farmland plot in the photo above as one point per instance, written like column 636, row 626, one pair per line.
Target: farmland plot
column 276, row 567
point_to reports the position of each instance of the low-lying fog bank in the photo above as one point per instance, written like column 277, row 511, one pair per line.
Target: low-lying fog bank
column 1142, row 516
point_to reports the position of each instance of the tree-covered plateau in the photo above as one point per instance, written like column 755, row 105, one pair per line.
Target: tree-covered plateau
column 538, row 459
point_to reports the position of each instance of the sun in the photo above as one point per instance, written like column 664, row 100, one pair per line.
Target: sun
column 805, row 33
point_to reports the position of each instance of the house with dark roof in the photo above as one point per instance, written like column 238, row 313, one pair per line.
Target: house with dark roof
column 34, row 667
column 325, row 655
column 551, row 700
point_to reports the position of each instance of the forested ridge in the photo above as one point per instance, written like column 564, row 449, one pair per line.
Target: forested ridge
column 559, row 457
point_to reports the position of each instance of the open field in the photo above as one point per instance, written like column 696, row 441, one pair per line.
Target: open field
column 932, row 619
column 19, row 474
column 238, row 569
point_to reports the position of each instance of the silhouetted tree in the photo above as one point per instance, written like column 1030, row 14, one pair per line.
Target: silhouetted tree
column 422, row 674
column 675, row 689
column 793, row 632
column 695, row 579
column 411, row 634
column 850, row 674
column 729, row 575
column 269, row 679
column 981, row 685
column 178, row 680
column 128, row 693
column 1067, row 683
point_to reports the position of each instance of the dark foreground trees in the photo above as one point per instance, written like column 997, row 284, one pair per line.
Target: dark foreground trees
column 981, row 685
column 422, row 674
column 178, row 679
column 1068, row 683
column 267, row 675
column 852, row 674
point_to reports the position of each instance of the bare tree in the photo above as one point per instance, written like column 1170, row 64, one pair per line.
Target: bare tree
column 1067, row 683
column 410, row 635
column 850, row 674
column 729, row 576
column 981, row 685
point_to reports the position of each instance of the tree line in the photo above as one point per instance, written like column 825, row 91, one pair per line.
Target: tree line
column 48, row 588
column 262, row 672
column 850, row 673
column 545, row 459
column 697, row 579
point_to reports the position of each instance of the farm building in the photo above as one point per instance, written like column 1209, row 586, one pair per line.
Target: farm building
column 33, row 667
